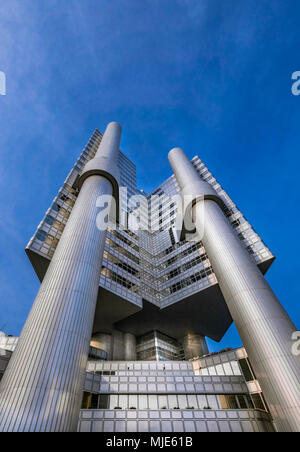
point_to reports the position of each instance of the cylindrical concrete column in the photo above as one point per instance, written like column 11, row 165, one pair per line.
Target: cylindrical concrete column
column 104, row 342
column 118, row 346
column 42, row 386
column 129, row 347
column 194, row 346
column 263, row 324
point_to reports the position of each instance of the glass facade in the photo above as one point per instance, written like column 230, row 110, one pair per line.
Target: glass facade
column 167, row 401
column 158, row 347
column 150, row 264
column 190, row 395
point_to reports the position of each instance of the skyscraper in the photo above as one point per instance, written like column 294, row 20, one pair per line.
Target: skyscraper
column 119, row 324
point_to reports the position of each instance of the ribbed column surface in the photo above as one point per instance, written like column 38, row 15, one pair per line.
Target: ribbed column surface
column 129, row 347
column 263, row 324
column 42, row 387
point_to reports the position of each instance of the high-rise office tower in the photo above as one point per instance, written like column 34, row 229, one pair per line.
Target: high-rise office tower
column 119, row 324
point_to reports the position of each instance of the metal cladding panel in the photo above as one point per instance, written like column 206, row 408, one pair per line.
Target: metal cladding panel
column 42, row 387
column 174, row 421
column 263, row 324
column 52, row 351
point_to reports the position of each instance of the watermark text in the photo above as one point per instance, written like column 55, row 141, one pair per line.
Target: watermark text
column 2, row 84
column 296, row 85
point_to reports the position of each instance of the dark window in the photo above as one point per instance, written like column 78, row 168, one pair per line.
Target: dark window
column 56, row 207
column 242, row 401
column 232, row 402
column 249, row 401
column 258, row 402
column 49, row 220
column 41, row 235
column 94, row 402
column 248, row 375
column 103, row 401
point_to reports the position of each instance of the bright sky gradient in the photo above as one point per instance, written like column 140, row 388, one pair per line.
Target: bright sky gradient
column 210, row 76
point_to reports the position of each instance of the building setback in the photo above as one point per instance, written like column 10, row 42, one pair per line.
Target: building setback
column 119, row 324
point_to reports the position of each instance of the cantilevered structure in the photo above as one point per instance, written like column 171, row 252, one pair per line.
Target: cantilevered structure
column 116, row 301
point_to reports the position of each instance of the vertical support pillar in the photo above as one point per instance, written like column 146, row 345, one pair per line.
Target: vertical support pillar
column 118, row 346
column 104, row 342
column 263, row 324
column 194, row 345
column 42, row 386
column 129, row 347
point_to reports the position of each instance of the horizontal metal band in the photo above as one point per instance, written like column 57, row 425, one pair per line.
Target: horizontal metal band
column 99, row 172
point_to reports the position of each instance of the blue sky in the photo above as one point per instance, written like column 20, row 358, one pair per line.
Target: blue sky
column 210, row 76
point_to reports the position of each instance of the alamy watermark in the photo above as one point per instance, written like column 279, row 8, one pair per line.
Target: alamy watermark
column 296, row 344
column 2, row 84
column 139, row 212
column 296, row 85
